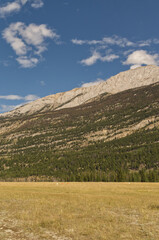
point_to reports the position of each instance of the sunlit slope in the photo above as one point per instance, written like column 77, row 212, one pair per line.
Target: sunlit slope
column 114, row 137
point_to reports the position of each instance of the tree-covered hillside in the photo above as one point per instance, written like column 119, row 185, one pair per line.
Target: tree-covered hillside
column 111, row 138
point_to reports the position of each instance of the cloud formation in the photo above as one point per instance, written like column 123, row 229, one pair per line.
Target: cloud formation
column 29, row 97
column 97, row 56
column 15, row 6
column 141, row 57
column 11, row 7
column 110, row 48
column 37, row 4
column 114, row 40
column 7, row 108
column 26, row 99
column 28, row 42
column 100, row 46
column 92, row 83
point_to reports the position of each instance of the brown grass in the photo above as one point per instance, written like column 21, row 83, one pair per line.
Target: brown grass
column 83, row 211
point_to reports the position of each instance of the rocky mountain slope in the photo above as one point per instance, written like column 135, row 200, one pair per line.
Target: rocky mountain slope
column 113, row 137
column 125, row 80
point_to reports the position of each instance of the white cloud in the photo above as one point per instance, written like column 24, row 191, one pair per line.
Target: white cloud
column 40, row 49
column 30, row 40
column 26, row 99
column 109, row 58
column 10, row 34
column 141, row 57
column 37, row 4
column 29, row 97
column 144, row 43
column 11, row 97
column 77, row 42
column 23, row 2
column 9, row 8
column 91, row 60
column 26, row 62
column 156, row 41
column 35, row 34
column 135, row 66
column 114, row 40
column 100, row 46
column 7, row 108
column 15, row 6
column 134, row 52
column 97, row 56
column 92, row 83
column 127, row 52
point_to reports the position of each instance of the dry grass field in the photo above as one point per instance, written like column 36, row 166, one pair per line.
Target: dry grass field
column 83, row 211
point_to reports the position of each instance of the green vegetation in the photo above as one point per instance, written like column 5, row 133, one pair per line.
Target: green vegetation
column 71, row 145
column 125, row 159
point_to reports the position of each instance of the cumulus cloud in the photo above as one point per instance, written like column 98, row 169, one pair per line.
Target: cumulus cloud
column 15, row 6
column 133, row 50
column 100, row 46
column 92, row 83
column 141, row 57
column 97, row 56
column 91, row 60
column 9, row 8
column 28, row 42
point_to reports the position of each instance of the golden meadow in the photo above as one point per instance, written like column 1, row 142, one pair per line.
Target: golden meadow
column 84, row 211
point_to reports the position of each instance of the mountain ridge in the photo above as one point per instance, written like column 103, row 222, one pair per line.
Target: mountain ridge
column 130, row 79
column 114, row 137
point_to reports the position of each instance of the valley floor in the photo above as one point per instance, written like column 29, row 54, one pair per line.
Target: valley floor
column 79, row 211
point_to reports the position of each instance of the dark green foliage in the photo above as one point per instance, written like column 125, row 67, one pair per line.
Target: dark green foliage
column 117, row 160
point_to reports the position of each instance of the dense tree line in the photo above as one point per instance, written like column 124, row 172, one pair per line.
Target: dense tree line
column 133, row 158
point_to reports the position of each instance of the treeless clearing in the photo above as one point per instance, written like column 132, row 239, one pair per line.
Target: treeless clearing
column 83, row 211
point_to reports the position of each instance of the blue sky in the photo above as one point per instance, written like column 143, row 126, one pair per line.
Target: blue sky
column 50, row 46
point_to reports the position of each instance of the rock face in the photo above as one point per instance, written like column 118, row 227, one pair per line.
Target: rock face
column 125, row 80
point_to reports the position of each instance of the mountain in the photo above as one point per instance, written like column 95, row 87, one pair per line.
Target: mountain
column 125, row 80
column 111, row 136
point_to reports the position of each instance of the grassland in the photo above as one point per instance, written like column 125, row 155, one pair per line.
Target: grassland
column 83, row 211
